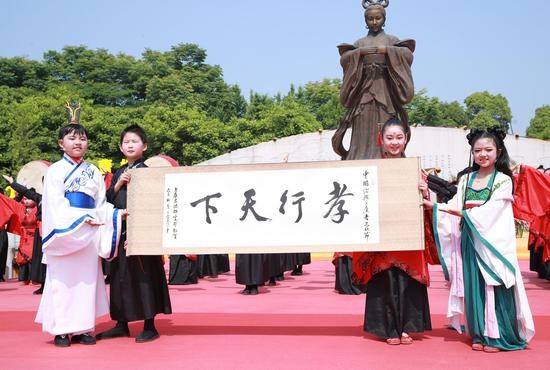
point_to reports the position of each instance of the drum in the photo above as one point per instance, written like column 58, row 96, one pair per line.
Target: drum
column 32, row 174
column 161, row 160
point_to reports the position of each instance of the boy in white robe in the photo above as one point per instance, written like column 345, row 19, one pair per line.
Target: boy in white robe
column 78, row 226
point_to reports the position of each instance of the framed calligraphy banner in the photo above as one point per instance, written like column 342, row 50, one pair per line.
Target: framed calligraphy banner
column 371, row 205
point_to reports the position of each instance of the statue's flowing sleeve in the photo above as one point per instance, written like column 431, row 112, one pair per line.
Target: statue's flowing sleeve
column 399, row 58
column 350, row 59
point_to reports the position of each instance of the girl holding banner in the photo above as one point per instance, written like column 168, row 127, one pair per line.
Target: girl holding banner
column 396, row 282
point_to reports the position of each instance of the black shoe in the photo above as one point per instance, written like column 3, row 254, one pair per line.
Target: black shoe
column 147, row 336
column 85, row 338
column 254, row 290
column 116, row 332
column 62, row 341
column 2, row 279
column 272, row 281
column 39, row 290
column 280, row 277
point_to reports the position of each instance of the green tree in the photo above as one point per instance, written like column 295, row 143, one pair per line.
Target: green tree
column 184, row 133
column 483, row 120
column 539, row 126
column 286, row 119
column 35, row 122
column 244, row 132
column 424, row 110
column 433, row 112
column 187, row 54
column 453, row 114
column 20, row 72
column 258, row 103
column 171, row 90
column 103, row 77
column 495, row 106
column 322, row 99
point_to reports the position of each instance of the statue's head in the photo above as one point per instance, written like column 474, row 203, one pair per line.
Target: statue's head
column 375, row 14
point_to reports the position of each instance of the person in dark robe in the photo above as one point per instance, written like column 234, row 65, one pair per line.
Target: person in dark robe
column 538, row 261
column 301, row 259
column 279, row 263
column 212, row 265
column 139, row 290
column 3, row 252
column 252, row 270
column 183, row 270
column 37, row 268
column 106, row 268
column 4, row 245
column 343, row 269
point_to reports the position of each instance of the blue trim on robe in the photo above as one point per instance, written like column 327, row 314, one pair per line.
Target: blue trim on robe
column 70, row 228
column 80, row 200
column 73, row 171
column 68, row 159
column 113, row 243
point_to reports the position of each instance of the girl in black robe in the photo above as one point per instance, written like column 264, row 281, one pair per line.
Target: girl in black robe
column 212, row 265
column 183, row 270
column 251, row 270
column 301, row 259
column 343, row 269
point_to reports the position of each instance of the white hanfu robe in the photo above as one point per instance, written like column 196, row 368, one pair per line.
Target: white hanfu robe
column 74, row 291
column 492, row 223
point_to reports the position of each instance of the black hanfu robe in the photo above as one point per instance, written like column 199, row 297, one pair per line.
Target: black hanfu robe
column 139, row 289
column 252, row 269
column 3, row 252
column 212, row 264
column 183, row 270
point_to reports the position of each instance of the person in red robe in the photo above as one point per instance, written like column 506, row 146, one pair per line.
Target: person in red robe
column 22, row 222
column 396, row 282
column 532, row 204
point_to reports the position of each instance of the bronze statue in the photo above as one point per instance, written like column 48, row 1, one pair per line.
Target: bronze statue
column 377, row 84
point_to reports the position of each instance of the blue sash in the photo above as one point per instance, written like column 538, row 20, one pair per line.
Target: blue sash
column 80, row 200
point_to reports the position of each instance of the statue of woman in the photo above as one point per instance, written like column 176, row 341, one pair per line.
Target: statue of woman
column 377, row 84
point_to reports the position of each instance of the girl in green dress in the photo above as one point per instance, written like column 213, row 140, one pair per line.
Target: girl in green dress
column 475, row 235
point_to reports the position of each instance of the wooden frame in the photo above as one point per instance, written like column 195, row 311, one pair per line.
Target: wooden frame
column 401, row 224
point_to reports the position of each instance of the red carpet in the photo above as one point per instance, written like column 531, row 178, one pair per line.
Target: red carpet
column 299, row 324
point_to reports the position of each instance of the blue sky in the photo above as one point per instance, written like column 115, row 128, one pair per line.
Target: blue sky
column 462, row 46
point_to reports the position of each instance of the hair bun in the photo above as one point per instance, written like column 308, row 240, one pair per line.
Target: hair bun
column 474, row 134
column 498, row 131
